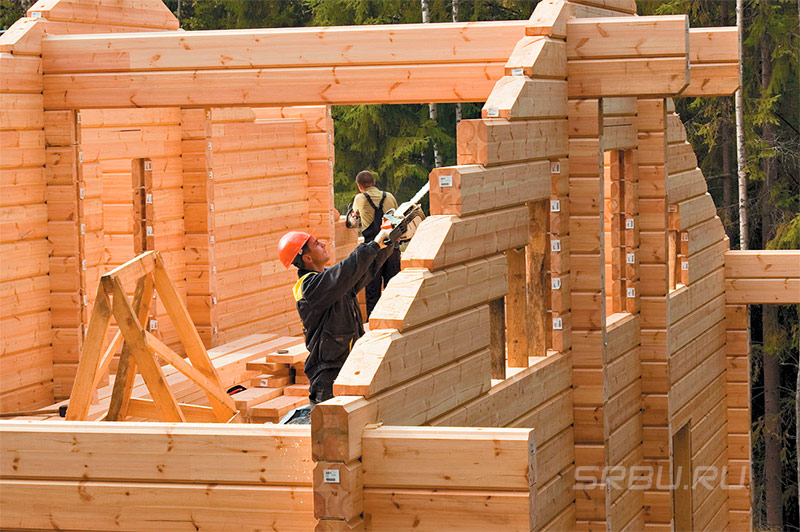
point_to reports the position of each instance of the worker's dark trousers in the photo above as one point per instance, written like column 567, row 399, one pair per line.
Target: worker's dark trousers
column 321, row 387
column 389, row 269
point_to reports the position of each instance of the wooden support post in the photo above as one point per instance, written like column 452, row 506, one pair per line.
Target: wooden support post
column 153, row 376
column 517, row 310
column 558, row 263
column 497, row 338
column 126, row 369
column 189, row 337
column 90, row 357
column 538, row 213
column 198, row 199
column 630, row 173
column 336, row 433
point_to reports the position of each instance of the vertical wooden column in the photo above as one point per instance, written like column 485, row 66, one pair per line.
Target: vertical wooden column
column 321, row 210
column 588, row 310
column 653, row 267
column 67, row 233
column 517, row 309
column 560, row 322
column 336, row 429
column 630, row 228
column 737, row 351
column 198, row 198
column 497, row 338
column 536, row 252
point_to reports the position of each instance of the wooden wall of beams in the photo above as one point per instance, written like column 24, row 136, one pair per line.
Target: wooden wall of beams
column 629, row 352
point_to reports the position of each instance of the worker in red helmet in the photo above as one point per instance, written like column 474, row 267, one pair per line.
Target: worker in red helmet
column 326, row 301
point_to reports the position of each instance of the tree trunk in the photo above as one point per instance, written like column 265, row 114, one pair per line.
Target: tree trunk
column 725, row 134
column 741, row 159
column 772, row 380
column 455, row 19
column 437, row 157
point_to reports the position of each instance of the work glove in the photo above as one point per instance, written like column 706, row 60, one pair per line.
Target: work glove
column 383, row 237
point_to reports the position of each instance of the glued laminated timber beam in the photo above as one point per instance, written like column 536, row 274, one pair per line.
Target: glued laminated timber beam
column 338, row 65
column 762, row 277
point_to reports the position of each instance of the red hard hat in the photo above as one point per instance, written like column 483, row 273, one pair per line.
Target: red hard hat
column 290, row 245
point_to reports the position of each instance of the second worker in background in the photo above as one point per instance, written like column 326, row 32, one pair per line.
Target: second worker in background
column 370, row 205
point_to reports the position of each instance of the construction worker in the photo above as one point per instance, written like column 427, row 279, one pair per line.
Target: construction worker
column 369, row 206
column 326, row 301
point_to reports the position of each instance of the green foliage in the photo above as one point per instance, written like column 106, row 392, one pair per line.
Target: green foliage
column 10, row 11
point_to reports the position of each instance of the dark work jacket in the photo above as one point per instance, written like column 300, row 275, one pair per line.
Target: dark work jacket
column 328, row 308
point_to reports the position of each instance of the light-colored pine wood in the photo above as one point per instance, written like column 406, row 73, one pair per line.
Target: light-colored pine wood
column 446, row 240
column 384, row 358
column 428, row 296
column 469, row 189
column 423, row 457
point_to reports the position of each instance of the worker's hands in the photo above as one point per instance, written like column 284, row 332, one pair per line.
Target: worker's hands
column 383, row 237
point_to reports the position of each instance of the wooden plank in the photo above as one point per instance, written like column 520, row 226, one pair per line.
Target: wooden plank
column 519, row 97
column 436, row 510
column 465, row 42
column 517, row 310
column 384, row 358
column 423, row 457
column 78, row 505
column 539, row 383
column 469, row 189
column 442, row 82
column 435, row 393
column 762, row 264
column 649, row 36
column 537, row 57
column 156, row 453
column 495, row 141
column 762, row 291
column 427, row 296
column 447, row 240
column 648, row 77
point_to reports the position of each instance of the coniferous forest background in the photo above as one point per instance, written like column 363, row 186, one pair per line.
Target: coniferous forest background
column 398, row 143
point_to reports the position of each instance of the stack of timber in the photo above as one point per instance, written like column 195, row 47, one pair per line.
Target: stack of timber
column 281, row 386
column 230, row 361
column 137, row 476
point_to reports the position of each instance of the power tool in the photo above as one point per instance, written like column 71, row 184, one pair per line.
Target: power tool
column 404, row 220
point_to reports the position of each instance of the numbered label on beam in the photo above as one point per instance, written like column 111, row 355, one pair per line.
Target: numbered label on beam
column 630, row 258
column 631, row 292
column 445, row 181
column 629, row 223
column 555, row 167
column 331, row 476
column 557, row 324
column 555, row 205
column 555, row 245
column 555, row 283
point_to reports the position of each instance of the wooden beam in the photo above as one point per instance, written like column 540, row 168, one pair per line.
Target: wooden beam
column 497, row 337
column 384, row 358
column 416, row 296
column 469, row 189
column 447, row 240
column 92, row 345
column 423, row 457
column 388, row 84
column 517, row 310
column 151, row 372
column 366, row 64
column 343, row 46
column 494, row 142
column 635, row 37
column 643, row 78
column 762, row 264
